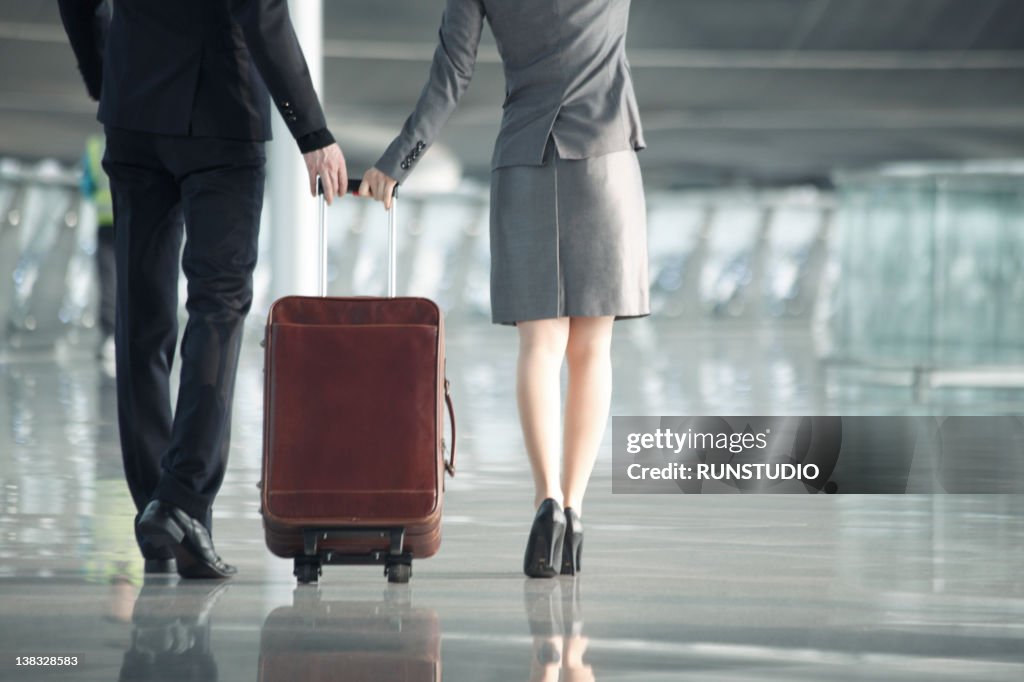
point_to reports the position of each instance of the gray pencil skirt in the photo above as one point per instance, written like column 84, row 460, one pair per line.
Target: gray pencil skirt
column 569, row 239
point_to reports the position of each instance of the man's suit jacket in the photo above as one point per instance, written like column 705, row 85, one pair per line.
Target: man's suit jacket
column 566, row 76
column 195, row 67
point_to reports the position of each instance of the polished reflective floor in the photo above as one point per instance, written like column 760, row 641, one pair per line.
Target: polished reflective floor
column 715, row 587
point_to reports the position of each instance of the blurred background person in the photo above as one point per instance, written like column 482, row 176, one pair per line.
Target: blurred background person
column 96, row 188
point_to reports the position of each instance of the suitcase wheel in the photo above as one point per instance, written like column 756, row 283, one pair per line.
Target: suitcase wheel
column 398, row 572
column 307, row 570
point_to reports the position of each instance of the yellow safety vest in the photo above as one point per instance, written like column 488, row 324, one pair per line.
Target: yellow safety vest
column 101, row 196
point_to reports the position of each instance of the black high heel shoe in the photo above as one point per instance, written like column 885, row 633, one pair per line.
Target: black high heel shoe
column 544, row 547
column 572, row 553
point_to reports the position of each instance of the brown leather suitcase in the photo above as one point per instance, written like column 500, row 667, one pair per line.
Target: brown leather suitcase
column 353, row 451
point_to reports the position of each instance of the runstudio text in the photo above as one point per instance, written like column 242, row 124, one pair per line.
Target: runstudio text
column 721, row 472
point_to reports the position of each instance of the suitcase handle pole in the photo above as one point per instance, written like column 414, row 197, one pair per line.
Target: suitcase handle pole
column 353, row 188
column 322, row 220
column 392, row 247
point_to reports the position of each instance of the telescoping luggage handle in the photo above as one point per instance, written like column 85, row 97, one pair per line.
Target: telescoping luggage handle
column 353, row 188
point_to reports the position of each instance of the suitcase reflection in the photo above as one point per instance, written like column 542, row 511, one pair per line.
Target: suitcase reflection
column 315, row 639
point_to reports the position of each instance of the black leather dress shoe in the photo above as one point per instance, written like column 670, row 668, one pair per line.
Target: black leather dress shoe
column 158, row 566
column 164, row 525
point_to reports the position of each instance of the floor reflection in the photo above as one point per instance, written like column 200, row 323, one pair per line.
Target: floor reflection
column 725, row 587
column 171, row 634
column 316, row 640
column 555, row 617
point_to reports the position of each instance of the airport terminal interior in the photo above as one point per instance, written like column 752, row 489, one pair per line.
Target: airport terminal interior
column 835, row 195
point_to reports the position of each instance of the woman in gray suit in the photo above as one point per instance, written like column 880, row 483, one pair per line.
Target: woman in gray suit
column 568, row 224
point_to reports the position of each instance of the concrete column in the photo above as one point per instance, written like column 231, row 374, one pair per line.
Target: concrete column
column 293, row 212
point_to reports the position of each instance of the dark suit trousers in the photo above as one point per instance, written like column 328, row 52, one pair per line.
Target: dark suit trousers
column 210, row 190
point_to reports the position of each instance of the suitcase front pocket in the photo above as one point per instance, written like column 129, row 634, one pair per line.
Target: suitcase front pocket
column 352, row 421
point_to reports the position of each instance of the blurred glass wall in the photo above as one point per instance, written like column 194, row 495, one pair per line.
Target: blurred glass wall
column 927, row 267
column 43, row 269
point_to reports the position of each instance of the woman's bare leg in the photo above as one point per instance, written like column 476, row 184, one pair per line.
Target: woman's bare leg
column 542, row 346
column 587, row 402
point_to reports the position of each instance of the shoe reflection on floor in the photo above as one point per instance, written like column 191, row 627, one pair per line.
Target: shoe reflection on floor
column 555, row 618
column 171, row 633
column 314, row 639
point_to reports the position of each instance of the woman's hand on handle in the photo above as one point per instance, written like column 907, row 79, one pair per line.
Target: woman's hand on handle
column 378, row 185
column 329, row 163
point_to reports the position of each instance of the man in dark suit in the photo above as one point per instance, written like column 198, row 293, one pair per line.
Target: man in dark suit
column 183, row 91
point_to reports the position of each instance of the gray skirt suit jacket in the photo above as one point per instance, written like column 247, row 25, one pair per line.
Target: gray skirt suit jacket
column 568, row 220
